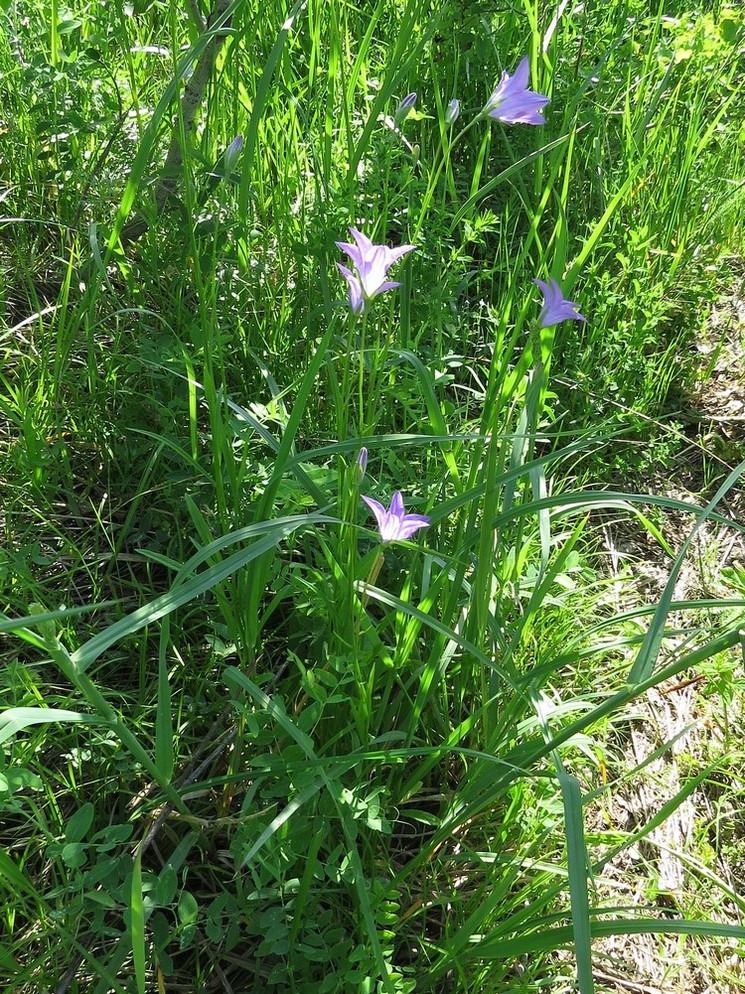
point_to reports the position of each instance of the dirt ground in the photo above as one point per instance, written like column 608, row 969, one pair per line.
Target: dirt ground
column 693, row 862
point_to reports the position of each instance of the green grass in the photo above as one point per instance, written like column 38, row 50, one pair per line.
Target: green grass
column 245, row 747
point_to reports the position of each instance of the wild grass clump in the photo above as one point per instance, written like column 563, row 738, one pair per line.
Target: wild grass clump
column 326, row 332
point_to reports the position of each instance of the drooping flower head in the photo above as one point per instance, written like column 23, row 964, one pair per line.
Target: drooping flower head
column 556, row 307
column 394, row 524
column 512, row 102
column 371, row 263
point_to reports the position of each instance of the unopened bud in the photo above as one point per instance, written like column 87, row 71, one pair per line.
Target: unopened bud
column 406, row 105
column 232, row 152
column 452, row 112
column 360, row 467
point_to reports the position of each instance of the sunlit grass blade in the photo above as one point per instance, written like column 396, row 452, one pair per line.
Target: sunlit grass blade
column 548, row 938
column 578, row 880
column 137, row 924
column 644, row 663
column 184, row 592
column 260, row 100
column 16, row 720
column 163, row 718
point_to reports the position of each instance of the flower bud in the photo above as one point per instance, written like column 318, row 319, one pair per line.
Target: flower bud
column 232, row 152
column 452, row 112
column 360, row 467
column 406, row 105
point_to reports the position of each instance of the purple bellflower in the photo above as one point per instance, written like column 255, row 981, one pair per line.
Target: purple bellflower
column 512, row 102
column 556, row 307
column 371, row 263
column 395, row 525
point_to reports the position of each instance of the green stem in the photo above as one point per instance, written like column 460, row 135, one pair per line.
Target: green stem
column 373, row 574
column 441, row 163
column 361, row 377
column 95, row 698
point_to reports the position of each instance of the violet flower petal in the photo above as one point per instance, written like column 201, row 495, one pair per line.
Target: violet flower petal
column 512, row 102
column 356, row 300
column 394, row 524
column 372, row 263
column 556, row 307
column 404, row 108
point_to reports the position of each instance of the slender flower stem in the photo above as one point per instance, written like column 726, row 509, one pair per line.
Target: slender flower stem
column 373, row 575
column 541, row 344
column 361, row 376
column 364, row 680
column 346, row 381
column 536, row 348
column 440, row 163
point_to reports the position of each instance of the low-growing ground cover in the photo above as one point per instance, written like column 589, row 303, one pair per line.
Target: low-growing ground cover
column 349, row 622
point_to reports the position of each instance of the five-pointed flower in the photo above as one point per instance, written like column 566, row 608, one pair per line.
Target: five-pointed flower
column 556, row 307
column 512, row 102
column 395, row 525
column 371, row 263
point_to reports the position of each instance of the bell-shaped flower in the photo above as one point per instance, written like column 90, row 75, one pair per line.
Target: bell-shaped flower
column 556, row 307
column 371, row 263
column 394, row 524
column 512, row 102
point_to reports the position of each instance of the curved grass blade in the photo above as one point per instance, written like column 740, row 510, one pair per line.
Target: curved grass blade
column 16, row 720
column 646, row 659
column 182, row 593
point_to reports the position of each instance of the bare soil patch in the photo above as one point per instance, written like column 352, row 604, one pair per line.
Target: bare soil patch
column 691, row 863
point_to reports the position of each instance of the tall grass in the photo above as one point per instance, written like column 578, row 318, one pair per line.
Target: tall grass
column 246, row 746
